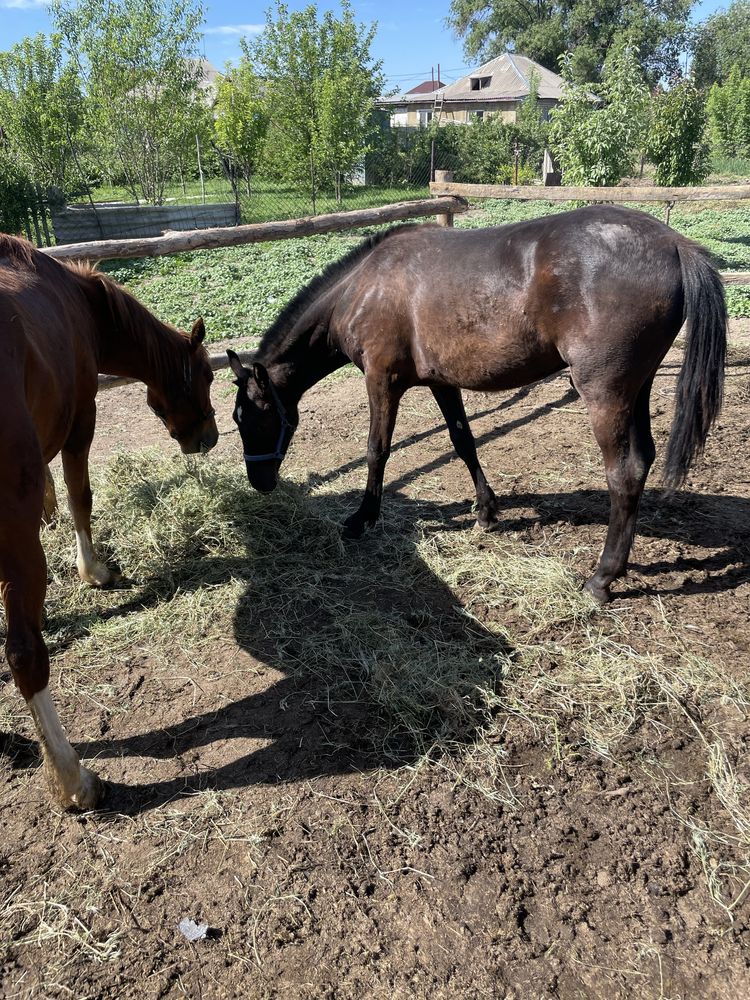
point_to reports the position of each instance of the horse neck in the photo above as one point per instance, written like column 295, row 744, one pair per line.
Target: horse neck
column 133, row 343
column 302, row 360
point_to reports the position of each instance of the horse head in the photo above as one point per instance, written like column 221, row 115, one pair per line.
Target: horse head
column 266, row 426
column 184, row 406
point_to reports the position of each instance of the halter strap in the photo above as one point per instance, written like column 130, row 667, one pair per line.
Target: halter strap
column 280, row 452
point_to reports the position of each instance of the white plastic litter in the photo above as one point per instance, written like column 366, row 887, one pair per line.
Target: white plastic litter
column 192, row 931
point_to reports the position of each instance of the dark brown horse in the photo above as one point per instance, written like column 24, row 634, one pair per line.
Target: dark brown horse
column 603, row 291
column 59, row 327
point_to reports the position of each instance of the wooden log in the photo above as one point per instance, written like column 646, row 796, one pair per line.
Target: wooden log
column 736, row 278
column 231, row 236
column 217, row 361
column 531, row 192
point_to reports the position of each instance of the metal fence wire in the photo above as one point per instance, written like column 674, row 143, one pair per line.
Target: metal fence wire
column 207, row 190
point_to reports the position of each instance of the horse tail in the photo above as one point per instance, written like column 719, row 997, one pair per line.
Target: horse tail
column 700, row 384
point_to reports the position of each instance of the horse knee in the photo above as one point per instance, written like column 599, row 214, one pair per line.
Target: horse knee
column 377, row 455
column 28, row 660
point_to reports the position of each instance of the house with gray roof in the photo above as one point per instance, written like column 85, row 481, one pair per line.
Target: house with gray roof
column 498, row 87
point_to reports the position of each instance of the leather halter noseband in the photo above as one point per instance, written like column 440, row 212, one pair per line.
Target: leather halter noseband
column 279, row 454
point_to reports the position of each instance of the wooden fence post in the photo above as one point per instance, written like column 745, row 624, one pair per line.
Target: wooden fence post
column 444, row 177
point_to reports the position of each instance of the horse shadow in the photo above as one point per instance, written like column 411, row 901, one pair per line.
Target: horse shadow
column 718, row 522
column 327, row 715
column 379, row 664
column 381, row 620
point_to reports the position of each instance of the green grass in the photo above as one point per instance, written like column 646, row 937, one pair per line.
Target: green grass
column 728, row 169
column 240, row 290
column 269, row 200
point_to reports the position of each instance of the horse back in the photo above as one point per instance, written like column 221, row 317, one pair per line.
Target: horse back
column 499, row 307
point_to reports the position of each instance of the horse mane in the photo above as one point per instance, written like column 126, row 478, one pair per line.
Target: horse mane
column 19, row 252
column 163, row 346
column 320, row 283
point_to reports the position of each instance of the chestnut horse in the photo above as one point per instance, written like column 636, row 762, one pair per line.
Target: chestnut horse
column 602, row 291
column 59, row 327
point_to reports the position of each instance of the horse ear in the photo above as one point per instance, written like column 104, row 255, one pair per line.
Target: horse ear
column 261, row 376
column 197, row 333
column 237, row 367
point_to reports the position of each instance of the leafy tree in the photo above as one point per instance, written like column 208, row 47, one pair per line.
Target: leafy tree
column 676, row 142
column 530, row 129
column 597, row 142
column 140, row 61
column 320, row 85
column 241, row 119
column 483, row 147
column 587, row 29
column 42, row 110
column 720, row 121
column 728, row 109
column 15, row 193
column 721, row 42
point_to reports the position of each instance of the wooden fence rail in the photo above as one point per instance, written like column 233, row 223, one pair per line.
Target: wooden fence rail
column 261, row 232
column 531, row 192
column 217, row 361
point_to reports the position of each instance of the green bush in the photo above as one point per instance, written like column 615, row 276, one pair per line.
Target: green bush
column 506, row 174
column 476, row 153
column 729, row 115
column 676, row 142
column 597, row 138
column 16, row 194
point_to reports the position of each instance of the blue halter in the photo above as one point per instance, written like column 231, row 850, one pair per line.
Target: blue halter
column 280, row 453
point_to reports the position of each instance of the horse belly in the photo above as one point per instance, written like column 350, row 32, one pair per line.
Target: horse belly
column 484, row 357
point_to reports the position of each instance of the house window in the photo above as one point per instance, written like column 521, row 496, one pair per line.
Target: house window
column 425, row 117
column 476, row 116
column 480, row 82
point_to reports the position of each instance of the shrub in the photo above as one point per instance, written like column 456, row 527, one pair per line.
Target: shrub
column 15, row 194
column 597, row 138
column 676, row 142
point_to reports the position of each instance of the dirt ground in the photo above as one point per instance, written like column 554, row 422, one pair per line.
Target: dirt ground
column 342, row 875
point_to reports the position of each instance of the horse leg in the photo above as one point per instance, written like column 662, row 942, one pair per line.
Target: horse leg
column 23, row 583
column 75, row 460
column 50, row 498
column 448, row 398
column 624, row 436
column 384, row 399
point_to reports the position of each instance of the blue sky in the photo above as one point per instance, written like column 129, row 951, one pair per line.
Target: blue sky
column 411, row 39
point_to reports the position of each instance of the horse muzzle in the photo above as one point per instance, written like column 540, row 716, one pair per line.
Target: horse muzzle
column 264, row 480
column 204, row 442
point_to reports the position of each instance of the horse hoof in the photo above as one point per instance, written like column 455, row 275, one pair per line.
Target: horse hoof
column 352, row 531
column 86, row 796
column 89, row 793
column 600, row 594
column 98, row 575
column 488, row 523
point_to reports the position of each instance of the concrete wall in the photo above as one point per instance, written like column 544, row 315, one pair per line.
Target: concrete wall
column 460, row 113
column 79, row 224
